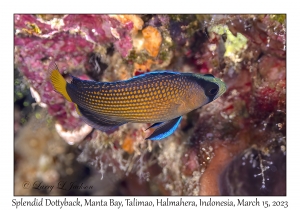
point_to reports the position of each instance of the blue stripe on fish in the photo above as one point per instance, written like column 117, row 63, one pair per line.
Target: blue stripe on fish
column 165, row 129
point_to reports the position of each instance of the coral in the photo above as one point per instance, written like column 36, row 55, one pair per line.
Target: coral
column 233, row 146
column 131, row 19
column 152, row 41
column 72, row 44
column 268, row 35
column 265, row 173
column 43, row 159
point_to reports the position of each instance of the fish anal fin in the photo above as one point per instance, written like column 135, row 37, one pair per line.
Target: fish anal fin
column 98, row 121
column 165, row 129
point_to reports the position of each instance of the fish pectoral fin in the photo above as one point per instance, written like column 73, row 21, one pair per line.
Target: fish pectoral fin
column 154, row 125
column 98, row 121
column 165, row 129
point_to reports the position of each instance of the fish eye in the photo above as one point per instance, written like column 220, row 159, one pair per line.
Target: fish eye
column 213, row 91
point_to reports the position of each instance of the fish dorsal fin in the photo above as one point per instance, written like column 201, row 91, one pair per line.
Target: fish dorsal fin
column 156, row 72
column 165, row 129
column 209, row 75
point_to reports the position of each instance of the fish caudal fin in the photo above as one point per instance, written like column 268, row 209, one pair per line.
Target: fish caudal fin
column 164, row 129
column 59, row 83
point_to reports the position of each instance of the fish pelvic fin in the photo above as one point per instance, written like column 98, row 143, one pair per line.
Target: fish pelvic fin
column 154, row 125
column 165, row 129
column 59, row 83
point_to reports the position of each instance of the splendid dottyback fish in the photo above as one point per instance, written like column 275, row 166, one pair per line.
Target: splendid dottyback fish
column 159, row 97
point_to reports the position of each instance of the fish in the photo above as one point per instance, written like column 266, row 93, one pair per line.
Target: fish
column 159, row 97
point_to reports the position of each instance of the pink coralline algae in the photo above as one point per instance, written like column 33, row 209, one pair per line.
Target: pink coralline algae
column 233, row 146
column 67, row 40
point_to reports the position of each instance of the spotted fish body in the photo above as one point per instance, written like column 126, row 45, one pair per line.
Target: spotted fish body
column 159, row 97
